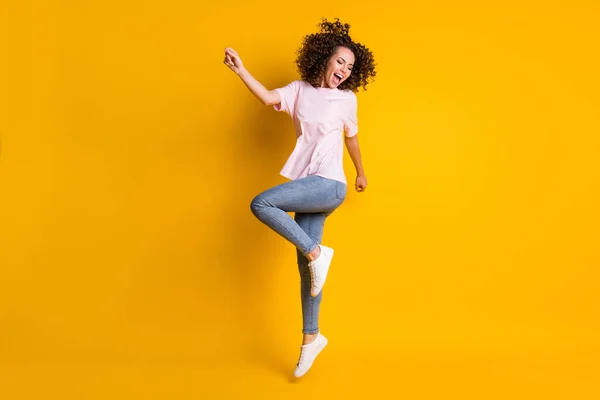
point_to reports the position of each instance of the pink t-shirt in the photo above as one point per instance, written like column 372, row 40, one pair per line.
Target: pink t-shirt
column 321, row 117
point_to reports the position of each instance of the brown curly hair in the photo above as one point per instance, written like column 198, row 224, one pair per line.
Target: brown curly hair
column 318, row 48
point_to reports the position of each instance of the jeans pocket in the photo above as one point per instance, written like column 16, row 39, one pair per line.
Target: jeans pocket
column 340, row 191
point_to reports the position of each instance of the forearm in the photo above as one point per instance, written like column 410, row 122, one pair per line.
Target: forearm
column 267, row 97
column 354, row 151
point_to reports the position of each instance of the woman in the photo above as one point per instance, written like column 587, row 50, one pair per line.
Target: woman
column 323, row 107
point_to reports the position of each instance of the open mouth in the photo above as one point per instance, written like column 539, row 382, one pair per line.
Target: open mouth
column 337, row 78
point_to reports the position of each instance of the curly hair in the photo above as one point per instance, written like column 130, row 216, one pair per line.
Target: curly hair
column 318, row 48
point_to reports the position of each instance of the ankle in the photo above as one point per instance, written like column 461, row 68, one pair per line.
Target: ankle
column 313, row 255
column 309, row 338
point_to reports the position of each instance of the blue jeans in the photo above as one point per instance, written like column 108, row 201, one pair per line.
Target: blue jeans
column 312, row 199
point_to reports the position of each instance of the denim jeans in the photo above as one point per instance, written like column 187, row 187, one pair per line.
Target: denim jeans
column 312, row 199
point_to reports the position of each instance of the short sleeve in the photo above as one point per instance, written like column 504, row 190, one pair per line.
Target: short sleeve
column 288, row 94
column 351, row 120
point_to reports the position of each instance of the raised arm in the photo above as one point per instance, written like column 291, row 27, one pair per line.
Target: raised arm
column 234, row 62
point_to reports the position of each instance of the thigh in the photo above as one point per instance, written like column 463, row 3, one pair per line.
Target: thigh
column 312, row 194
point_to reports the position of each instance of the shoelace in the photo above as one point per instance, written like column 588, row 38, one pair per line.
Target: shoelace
column 301, row 357
column 314, row 272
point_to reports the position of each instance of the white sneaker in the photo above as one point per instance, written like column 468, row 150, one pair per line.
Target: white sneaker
column 308, row 353
column 318, row 270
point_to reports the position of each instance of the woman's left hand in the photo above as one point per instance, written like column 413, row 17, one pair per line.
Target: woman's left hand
column 361, row 183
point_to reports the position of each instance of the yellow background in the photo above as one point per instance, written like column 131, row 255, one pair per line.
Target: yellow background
column 131, row 266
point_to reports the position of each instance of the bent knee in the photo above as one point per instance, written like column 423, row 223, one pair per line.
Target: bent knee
column 256, row 204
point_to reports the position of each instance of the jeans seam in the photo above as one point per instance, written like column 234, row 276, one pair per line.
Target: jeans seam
column 285, row 227
column 311, row 299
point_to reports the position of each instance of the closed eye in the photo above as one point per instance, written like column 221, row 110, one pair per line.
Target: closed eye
column 341, row 60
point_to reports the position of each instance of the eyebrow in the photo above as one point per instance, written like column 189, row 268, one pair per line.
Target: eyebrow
column 345, row 60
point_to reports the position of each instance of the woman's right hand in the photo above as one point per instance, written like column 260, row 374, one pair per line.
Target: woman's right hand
column 233, row 60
